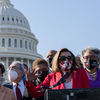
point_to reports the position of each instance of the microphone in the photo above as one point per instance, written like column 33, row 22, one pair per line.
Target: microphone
column 45, row 87
column 62, row 80
column 66, row 74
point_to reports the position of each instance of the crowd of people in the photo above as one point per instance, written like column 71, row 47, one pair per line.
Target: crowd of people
column 81, row 71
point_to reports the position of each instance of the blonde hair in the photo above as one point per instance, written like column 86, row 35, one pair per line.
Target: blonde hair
column 55, row 63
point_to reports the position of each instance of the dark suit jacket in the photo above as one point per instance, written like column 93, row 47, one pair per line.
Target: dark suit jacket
column 26, row 95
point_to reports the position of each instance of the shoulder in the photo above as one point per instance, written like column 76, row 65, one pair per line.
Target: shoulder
column 80, row 70
column 8, row 89
column 53, row 74
column 98, row 69
column 8, row 85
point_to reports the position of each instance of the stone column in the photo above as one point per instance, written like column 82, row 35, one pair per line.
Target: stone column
column 14, row 59
column 22, row 60
column 7, row 62
column 28, row 62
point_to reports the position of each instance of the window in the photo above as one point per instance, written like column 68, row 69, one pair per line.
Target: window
column 30, row 45
column 12, row 19
column 3, row 42
column 21, row 21
column 17, row 20
column 25, row 44
column 15, row 42
column 24, row 22
column 9, row 42
column 3, row 18
column 8, row 18
column 20, row 43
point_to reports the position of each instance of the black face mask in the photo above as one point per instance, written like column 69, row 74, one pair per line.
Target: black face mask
column 90, row 64
column 42, row 76
column 49, row 60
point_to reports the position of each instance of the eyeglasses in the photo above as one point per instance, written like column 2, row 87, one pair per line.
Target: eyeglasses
column 63, row 58
column 13, row 68
column 91, row 57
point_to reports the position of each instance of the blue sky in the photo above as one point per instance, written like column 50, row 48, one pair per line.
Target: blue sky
column 72, row 24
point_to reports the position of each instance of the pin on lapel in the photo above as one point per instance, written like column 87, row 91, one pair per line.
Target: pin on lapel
column 74, row 74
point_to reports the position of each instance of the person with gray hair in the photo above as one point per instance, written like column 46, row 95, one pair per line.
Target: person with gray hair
column 14, row 68
column 90, row 58
column 15, row 76
column 78, row 60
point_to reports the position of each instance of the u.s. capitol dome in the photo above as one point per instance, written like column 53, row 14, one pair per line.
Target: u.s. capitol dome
column 17, row 42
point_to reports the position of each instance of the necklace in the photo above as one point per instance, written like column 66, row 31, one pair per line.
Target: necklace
column 93, row 73
column 93, row 76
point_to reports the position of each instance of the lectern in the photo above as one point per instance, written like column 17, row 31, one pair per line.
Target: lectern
column 73, row 94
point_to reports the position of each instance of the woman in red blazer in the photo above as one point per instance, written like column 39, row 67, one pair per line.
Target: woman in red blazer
column 64, row 61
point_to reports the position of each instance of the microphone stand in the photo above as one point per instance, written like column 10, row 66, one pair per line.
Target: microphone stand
column 62, row 80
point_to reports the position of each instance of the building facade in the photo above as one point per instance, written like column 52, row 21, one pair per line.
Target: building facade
column 17, row 42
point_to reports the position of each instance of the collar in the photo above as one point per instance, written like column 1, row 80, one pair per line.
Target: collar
column 20, row 83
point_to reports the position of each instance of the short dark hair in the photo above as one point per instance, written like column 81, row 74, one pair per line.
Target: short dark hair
column 26, row 66
column 38, row 62
column 2, row 68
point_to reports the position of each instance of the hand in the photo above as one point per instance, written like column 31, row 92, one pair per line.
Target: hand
column 30, row 76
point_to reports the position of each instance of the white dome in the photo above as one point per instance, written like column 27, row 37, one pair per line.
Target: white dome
column 11, row 16
column 17, row 42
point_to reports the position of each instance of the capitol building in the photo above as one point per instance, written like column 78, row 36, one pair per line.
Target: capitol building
column 17, row 42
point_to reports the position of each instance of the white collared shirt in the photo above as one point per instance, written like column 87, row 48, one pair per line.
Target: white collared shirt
column 50, row 70
column 20, row 86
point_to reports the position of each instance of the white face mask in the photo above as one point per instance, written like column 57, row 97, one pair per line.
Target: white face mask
column 12, row 75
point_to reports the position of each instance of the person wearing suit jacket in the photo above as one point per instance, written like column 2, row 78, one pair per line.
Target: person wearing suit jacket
column 64, row 61
column 15, row 76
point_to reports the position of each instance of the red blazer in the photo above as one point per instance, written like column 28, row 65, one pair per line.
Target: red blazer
column 78, row 77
